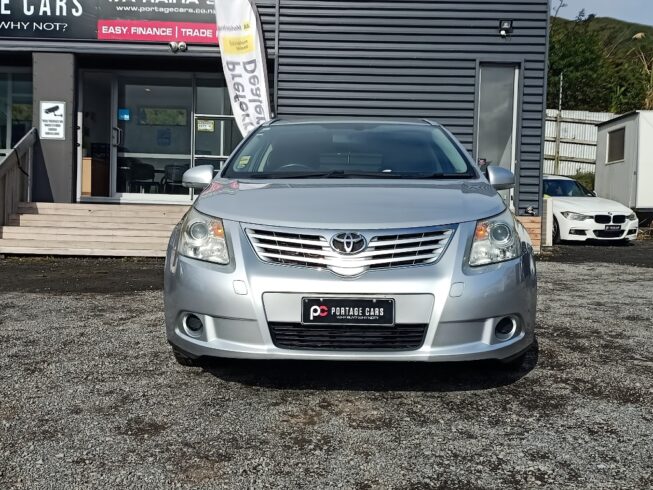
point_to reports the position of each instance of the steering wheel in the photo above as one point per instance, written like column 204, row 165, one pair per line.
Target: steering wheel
column 290, row 166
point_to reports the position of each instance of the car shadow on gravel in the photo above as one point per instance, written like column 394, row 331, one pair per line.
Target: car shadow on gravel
column 637, row 254
column 372, row 376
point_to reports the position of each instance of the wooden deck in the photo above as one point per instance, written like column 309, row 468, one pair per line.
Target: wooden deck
column 112, row 230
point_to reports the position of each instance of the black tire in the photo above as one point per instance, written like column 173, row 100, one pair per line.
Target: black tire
column 556, row 232
column 524, row 359
column 184, row 359
column 514, row 362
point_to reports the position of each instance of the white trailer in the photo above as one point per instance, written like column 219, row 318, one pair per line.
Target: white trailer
column 624, row 161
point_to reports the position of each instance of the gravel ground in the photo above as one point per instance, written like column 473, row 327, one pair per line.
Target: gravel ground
column 91, row 396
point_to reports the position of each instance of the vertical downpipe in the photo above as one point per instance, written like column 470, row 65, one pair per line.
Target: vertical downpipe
column 276, row 58
column 556, row 169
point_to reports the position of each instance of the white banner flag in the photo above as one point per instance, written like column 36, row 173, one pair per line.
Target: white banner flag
column 243, row 61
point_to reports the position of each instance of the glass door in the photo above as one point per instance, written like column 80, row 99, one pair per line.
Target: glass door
column 496, row 132
column 99, row 135
column 15, row 108
column 215, row 133
column 154, row 117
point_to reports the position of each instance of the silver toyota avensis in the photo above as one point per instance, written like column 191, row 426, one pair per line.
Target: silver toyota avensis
column 350, row 240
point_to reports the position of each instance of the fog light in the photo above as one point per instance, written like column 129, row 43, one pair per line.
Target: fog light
column 193, row 323
column 505, row 329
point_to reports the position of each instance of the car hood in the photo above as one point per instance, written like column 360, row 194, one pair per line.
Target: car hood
column 588, row 205
column 357, row 204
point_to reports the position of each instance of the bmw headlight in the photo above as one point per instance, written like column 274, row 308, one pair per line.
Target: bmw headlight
column 495, row 240
column 575, row 216
column 632, row 217
column 203, row 238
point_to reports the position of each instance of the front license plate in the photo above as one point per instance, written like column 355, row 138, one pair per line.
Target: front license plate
column 612, row 227
column 348, row 311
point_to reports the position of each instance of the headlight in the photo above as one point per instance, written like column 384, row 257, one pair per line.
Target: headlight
column 575, row 216
column 495, row 240
column 632, row 217
column 202, row 237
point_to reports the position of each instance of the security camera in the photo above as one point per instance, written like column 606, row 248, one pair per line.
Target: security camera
column 183, row 46
column 174, row 46
column 503, row 33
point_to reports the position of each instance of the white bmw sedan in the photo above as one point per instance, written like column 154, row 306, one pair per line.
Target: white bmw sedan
column 578, row 215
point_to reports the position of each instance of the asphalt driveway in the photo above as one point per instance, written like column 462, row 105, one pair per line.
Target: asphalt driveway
column 91, row 397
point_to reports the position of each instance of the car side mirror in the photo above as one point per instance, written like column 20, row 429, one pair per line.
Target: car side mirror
column 198, row 177
column 500, row 178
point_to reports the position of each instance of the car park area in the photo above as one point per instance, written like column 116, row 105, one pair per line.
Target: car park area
column 92, row 397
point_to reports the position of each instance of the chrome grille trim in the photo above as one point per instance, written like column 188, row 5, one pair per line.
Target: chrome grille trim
column 386, row 248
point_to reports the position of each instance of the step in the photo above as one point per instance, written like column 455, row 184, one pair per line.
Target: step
column 44, row 232
column 97, row 252
column 81, row 221
column 16, row 233
column 101, row 207
column 80, row 244
column 107, row 211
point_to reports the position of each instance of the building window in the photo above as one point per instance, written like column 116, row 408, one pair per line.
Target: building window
column 616, row 145
column 15, row 107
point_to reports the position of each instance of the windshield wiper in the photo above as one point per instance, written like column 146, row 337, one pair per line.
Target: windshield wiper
column 332, row 174
column 341, row 174
column 444, row 175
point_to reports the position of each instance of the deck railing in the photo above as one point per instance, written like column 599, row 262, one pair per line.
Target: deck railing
column 15, row 171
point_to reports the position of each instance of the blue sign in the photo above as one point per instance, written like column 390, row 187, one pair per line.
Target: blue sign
column 124, row 114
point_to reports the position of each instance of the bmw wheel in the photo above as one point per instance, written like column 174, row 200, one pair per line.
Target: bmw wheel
column 556, row 232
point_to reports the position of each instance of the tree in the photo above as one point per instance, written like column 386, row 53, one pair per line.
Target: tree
column 645, row 61
column 577, row 51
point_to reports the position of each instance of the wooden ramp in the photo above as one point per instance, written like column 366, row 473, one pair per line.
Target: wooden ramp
column 112, row 230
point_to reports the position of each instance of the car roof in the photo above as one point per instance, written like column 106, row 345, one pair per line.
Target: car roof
column 341, row 120
column 556, row 177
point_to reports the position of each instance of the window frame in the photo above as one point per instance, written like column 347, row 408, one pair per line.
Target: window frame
column 608, row 161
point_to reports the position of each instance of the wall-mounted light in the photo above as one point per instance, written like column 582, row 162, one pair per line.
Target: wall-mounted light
column 505, row 28
column 177, row 47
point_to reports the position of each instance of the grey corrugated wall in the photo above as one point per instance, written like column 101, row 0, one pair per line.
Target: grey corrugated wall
column 410, row 59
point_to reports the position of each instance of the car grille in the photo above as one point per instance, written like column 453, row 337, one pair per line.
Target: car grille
column 393, row 248
column 619, row 219
column 402, row 337
column 602, row 219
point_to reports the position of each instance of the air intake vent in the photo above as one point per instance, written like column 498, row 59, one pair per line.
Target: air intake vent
column 347, row 337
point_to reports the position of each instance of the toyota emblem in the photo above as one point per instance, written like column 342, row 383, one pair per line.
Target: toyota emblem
column 348, row 243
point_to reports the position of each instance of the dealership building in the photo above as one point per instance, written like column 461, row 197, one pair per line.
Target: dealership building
column 121, row 114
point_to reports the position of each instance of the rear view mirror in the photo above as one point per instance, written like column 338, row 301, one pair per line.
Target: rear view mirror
column 198, row 177
column 500, row 178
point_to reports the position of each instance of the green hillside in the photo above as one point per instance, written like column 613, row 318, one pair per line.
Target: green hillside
column 607, row 64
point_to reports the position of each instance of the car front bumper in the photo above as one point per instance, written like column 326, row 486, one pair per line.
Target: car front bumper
column 581, row 231
column 458, row 305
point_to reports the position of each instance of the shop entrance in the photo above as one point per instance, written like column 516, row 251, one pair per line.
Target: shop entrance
column 141, row 131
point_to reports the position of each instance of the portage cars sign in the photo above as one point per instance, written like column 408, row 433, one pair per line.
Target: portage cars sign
column 192, row 21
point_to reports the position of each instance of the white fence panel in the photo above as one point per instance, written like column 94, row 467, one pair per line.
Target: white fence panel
column 576, row 143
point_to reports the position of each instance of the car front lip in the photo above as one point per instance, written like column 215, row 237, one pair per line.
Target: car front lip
column 460, row 320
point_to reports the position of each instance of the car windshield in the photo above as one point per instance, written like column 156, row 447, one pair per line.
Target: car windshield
column 341, row 150
column 564, row 188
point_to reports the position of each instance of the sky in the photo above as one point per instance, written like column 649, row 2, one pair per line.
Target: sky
column 640, row 11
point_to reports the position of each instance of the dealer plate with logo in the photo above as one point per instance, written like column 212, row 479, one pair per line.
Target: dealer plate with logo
column 348, row 311
column 612, row 227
